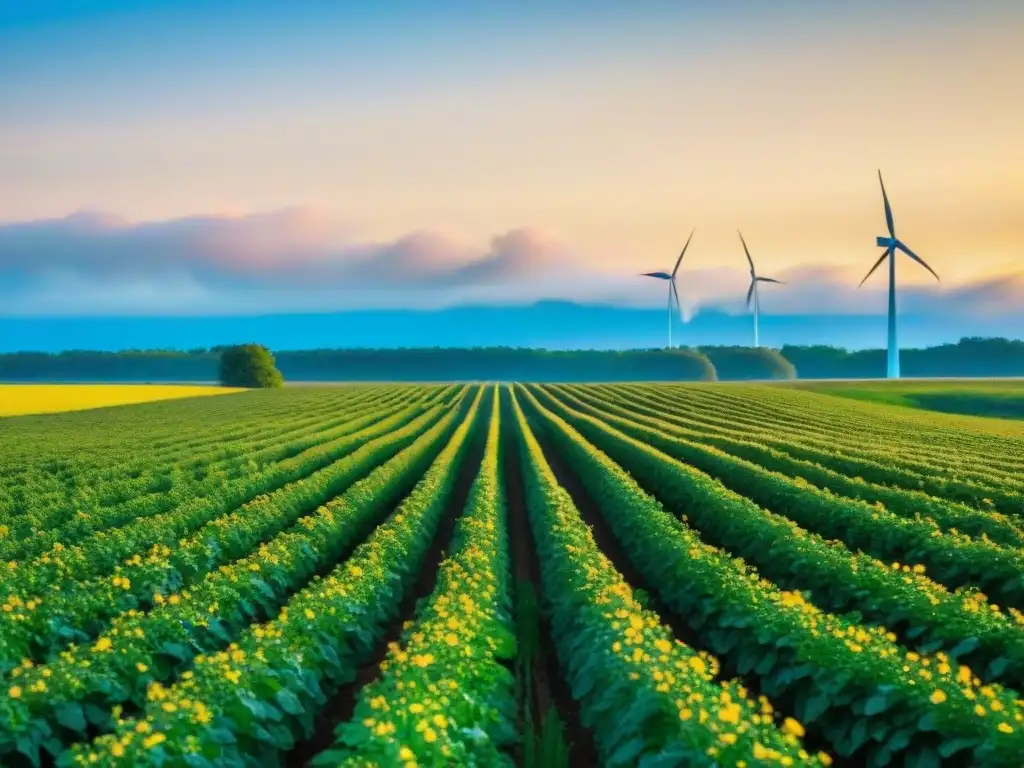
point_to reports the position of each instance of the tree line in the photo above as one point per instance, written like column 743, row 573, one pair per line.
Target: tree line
column 970, row 357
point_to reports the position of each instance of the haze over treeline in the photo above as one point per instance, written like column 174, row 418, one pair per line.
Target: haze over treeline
column 967, row 358
column 546, row 324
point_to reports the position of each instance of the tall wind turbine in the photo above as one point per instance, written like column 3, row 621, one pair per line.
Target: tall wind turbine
column 672, row 292
column 891, row 245
column 752, row 291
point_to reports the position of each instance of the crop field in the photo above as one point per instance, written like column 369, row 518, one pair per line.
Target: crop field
column 999, row 398
column 485, row 575
column 21, row 399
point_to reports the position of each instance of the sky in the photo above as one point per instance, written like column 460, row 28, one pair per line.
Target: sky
column 248, row 156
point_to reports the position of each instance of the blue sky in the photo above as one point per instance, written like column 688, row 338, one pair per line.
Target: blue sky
column 194, row 157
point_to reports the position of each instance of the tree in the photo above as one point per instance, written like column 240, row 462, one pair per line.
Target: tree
column 250, row 366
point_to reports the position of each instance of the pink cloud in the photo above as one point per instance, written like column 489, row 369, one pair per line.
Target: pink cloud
column 298, row 259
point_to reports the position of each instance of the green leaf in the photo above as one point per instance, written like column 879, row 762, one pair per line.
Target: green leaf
column 289, row 702
column 626, row 753
column 71, row 715
column 964, row 646
column 998, row 666
column 950, row 747
column 876, row 704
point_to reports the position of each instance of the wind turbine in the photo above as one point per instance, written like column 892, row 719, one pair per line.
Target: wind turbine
column 672, row 291
column 752, row 291
column 891, row 245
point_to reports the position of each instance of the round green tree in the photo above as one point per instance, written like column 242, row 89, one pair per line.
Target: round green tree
column 250, row 366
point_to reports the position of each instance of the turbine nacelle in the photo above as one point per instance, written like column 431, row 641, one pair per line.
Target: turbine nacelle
column 886, row 242
column 673, row 291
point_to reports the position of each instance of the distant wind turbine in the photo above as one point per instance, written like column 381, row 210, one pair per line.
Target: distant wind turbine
column 752, row 291
column 672, row 291
column 891, row 245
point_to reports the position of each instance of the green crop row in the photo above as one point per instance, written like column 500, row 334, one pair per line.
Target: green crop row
column 931, row 618
column 851, row 683
column 877, row 458
column 99, row 480
column 951, row 558
column 867, row 458
column 60, row 698
column 906, row 503
column 32, row 535
column 250, row 703
column 444, row 697
column 849, row 423
column 646, row 696
column 201, row 535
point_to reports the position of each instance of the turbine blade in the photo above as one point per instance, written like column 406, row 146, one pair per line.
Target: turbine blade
column 680, row 259
column 746, row 251
column 750, row 292
column 769, row 280
column 880, row 260
column 659, row 275
column 915, row 257
column 888, row 209
column 675, row 292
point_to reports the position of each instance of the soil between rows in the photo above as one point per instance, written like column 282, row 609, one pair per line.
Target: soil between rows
column 610, row 545
column 341, row 706
column 549, row 686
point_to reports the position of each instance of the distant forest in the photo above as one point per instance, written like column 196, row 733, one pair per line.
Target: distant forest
column 970, row 357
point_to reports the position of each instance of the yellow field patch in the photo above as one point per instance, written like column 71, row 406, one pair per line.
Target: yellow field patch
column 20, row 399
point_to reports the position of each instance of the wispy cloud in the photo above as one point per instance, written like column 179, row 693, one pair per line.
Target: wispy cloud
column 298, row 259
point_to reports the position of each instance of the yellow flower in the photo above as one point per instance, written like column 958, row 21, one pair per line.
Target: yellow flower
column 1005, row 728
column 938, row 696
column 103, row 644
column 14, row 692
column 406, row 754
column 141, row 667
column 152, row 740
column 789, row 725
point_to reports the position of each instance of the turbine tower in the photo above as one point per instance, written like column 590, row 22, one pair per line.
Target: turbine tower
column 891, row 245
column 672, row 292
column 752, row 291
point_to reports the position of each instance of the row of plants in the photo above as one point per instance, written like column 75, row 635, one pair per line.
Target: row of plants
column 903, row 433
column 871, row 462
column 445, row 695
column 252, row 701
column 906, row 503
column 925, row 614
column 951, row 558
column 108, row 444
column 939, row 457
column 647, row 697
column 63, row 698
column 852, row 684
column 186, row 544
column 32, row 534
